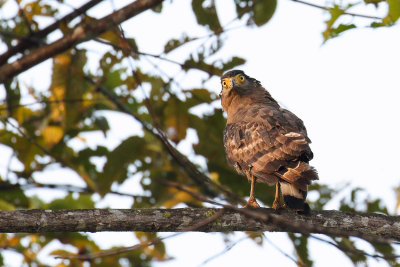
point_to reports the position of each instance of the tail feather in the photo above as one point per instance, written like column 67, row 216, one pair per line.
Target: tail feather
column 294, row 181
column 293, row 197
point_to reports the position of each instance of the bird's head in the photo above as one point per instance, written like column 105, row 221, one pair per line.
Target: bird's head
column 239, row 89
column 238, row 81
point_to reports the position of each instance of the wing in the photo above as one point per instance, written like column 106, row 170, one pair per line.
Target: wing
column 266, row 139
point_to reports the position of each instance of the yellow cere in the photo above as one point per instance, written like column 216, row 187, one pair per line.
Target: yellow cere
column 228, row 82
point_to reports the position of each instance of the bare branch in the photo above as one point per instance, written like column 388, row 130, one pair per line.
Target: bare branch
column 176, row 220
column 295, row 226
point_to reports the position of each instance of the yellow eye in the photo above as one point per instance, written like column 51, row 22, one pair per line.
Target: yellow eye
column 241, row 78
column 224, row 83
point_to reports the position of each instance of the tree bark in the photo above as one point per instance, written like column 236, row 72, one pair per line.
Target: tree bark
column 176, row 220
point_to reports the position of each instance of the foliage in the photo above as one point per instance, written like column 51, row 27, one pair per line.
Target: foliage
column 44, row 136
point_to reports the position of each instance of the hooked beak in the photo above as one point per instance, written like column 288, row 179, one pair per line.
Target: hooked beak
column 230, row 83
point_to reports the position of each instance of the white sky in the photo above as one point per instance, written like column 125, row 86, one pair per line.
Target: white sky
column 346, row 92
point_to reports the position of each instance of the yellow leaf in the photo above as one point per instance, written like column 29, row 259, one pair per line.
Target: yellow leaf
column 14, row 241
column 52, row 134
column 23, row 113
column 58, row 107
column 214, row 176
column 4, row 205
column 62, row 59
column 81, row 138
column 180, row 197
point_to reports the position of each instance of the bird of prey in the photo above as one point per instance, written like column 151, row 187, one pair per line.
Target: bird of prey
column 266, row 142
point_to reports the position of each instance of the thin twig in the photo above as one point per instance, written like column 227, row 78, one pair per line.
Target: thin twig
column 355, row 251
column 66, row 187
column 227, row 248
column 117, row 251
column 344, row 12
column 112, row 252
column 279, row 249
column 55, row 101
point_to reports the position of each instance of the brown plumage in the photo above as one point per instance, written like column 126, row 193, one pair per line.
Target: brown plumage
column 265, row 142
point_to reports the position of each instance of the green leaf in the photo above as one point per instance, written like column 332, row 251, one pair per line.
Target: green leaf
column 118, row 160
column 345, row 242
column 260, row 12
column 232, row 63
column 4, row 205
column 158, row 8
column 102, row 123
column 198, row 96
column 341, row 28
column 325, row 194
column 374, row 2
column 176, row 120
column 336, row 11
column 300, row 243
column 206, row 15
column 13, row 96
column 81, row 201
column 394, row 9
column 263, row 11
column 174, row 43
column 199, row 64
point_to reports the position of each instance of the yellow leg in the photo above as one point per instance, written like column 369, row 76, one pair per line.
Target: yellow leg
column 252, row 202
column 277, row 201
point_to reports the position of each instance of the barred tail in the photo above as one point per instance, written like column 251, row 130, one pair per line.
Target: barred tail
column 294, row 182
column 294, row 197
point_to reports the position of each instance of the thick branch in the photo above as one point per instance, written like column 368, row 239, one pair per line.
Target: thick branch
column 80, row 34
column 175, row 220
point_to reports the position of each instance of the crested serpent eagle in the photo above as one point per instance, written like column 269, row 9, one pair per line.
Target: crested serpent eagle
column 266, row 142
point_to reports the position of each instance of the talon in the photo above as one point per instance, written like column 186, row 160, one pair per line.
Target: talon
column 278, row 206
column 251, row 203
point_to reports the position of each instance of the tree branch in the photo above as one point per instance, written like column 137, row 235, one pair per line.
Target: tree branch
column 176, row 220
column 34, row 38
column 80, row 34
